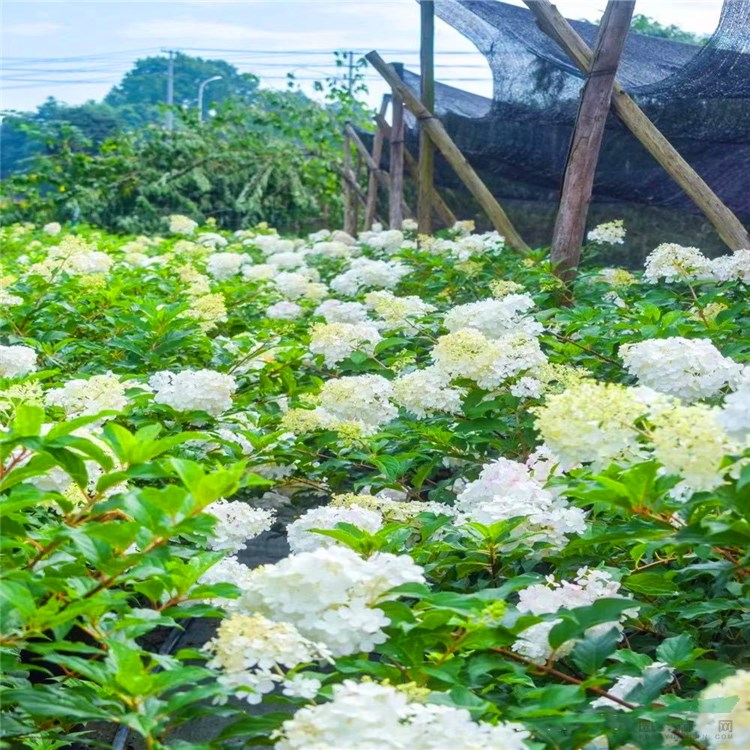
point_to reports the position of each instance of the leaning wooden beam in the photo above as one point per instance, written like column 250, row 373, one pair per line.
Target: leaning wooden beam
column 348, row 176
column 427, row 95
column 396, row 215
column 452, row 154
column 439, row 205
column 372, row 182
column 380, row 174
column 578, row 182
column 728, row 226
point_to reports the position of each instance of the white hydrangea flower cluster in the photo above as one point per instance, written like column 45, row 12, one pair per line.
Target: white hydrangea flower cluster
column 610, row 233
column 735, row 412
column 734, row 267
column 336, row 311
column 361, row 402
column 495, row 318
column 690, row 369
column 287, row 260
column 259, row 272
column 468, row 353
column 223, row 266
column 389, row 240
column 269, row 244
column 673, row 262
column 368, row 715
column 729, row 701
column 332, row 248
column 364, row 273
column 228, row 570
column 302, row 283
column 589, row 586
column 627, row 683
column 52, row 228
column 301, row 538
column 9, row 300
column 590, row 423
column 397, row 313
column 253, row 653
column 426, row 392
column 337, row 341
column 616, row 277
column 237, row 523
column 392, row 506
column 17, row 361
column 179, row 224
column 505, row 489
column 464, row 245
column 330, row 595
column 284, row 310
column 194, row 390
column 81, row 397
column 208, row 310
column 74, row 256
column 690, row 441
column 212, row 240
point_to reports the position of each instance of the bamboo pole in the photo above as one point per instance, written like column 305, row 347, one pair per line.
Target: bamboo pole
column 728, row 226
column 380, row 174
column 578, row 182
column 452, row 153
column 441, row 208
column 427, row 94
column 373, row 180
column 396, row 216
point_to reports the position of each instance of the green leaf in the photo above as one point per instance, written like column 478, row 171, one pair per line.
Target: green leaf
column 591, row 653
column 651, row 584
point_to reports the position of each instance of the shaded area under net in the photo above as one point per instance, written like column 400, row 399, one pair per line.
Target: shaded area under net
column 698, row 96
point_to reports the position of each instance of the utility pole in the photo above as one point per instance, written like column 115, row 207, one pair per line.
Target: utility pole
column 350, row 55
column 170, row 90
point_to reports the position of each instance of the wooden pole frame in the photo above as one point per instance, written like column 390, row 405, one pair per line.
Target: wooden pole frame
column 427, row 94
column 452, row 154
column 441, row 208
column 578, row 181
column 727, row 225
column 374, row 181
column 381, row 175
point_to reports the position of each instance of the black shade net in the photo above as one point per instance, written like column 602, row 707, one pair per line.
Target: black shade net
column 698, row 96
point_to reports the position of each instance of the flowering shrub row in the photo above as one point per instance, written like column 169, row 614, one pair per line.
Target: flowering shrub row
column 512, row 523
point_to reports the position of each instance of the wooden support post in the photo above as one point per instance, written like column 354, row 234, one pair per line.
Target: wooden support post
column 373, row 180
column 381, row 175
column 728, row 226
column 350, row 179
column 452, row 153
column 441, row 208
column 350, row 216
column 427, row 94
column 578, row 182
column 396, row 216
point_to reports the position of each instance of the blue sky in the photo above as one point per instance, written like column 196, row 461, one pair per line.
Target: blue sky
column 38, row 38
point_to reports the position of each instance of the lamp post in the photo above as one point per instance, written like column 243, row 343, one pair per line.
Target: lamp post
column 201, row 89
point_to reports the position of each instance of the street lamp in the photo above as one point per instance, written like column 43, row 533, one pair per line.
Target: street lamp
column 201, row 89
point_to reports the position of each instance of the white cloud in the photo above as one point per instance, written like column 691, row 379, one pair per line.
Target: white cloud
column 38, row 28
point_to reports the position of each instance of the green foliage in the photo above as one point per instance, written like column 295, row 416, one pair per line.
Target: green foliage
column 96, row 575
column 644, row 24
